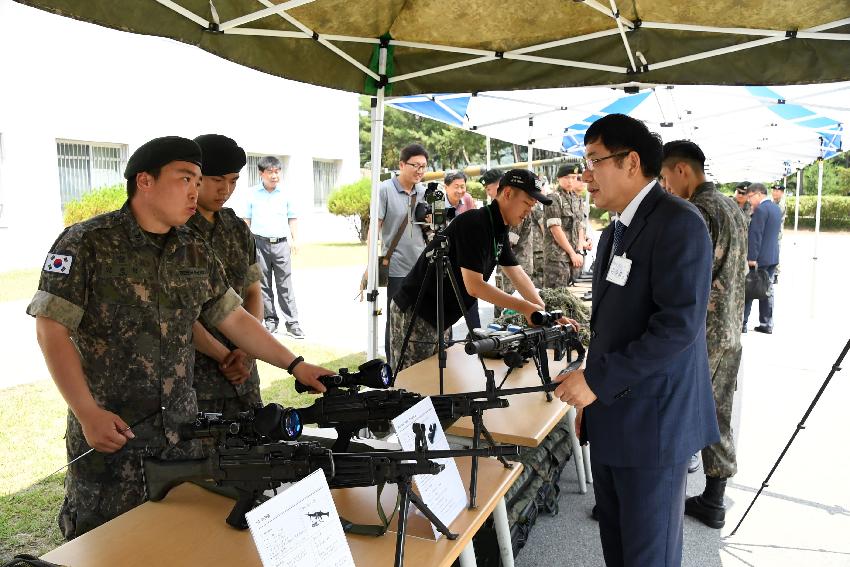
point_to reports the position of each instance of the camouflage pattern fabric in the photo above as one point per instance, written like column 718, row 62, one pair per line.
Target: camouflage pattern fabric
column 423, row 337
column 746, row 210
column 718, row 460
column 538, row 217
column 522, row 245
column 557, row 265
column 579, row 226
column 557, row 298
column 232, row 241
column 129, row 300
column 728, row 231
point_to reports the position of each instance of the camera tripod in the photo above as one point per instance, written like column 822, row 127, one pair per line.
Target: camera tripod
column 441, row 266
column 802, row 425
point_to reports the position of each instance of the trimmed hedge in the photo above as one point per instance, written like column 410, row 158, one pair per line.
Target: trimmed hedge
column 352, row 201
column 95, row 202
column 834, row 214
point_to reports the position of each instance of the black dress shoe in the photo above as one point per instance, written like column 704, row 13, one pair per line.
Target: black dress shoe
column 594, row 514
column 765, row 330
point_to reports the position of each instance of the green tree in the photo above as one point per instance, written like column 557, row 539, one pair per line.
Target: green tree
column 352, row 201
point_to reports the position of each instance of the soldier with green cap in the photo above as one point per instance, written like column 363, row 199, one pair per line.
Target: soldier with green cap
column 563, row 219
column 115, row 305
column 226, row 379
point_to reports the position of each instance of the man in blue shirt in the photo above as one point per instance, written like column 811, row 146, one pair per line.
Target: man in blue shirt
column 269, row 211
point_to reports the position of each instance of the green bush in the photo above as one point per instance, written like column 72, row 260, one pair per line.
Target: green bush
column 476, row 190
column 834, row 214
column 352, row 201
column 95, row 202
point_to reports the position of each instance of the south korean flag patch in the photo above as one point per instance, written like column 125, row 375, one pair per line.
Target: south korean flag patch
column 57, row 263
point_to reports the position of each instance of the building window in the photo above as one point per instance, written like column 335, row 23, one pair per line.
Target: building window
column 254, row 170
column 325, row 175
column 84, row 166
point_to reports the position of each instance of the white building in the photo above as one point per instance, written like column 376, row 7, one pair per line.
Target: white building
column 77, row 99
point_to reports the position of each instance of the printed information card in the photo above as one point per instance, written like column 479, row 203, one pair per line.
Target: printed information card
column 443, row 493
column 300, row 526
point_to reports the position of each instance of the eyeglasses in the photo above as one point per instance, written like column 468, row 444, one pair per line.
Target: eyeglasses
column 589, row 163
column 416, row 166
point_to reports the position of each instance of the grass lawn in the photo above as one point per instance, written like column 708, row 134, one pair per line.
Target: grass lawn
column 19, row 284
column 32, row 426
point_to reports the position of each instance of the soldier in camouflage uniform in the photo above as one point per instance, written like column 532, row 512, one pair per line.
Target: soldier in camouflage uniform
column 538, row 217
column 521, row 239
column 740, row 197
column 682, row 169
column 114, row 311
column 226, row 379
column 563, row 219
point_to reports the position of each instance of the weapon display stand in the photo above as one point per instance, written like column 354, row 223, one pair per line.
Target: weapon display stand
column 441, row 266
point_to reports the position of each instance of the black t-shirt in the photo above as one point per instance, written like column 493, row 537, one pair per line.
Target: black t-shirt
column 478, row 240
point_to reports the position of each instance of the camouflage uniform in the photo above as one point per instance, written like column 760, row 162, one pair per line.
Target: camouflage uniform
column 232, row 241
column 579, row 226
column 129, row 300
column 423, row 337
column 538, row 216
column 522, row 245
column 728, row 231
column 746, row 210
column 561, row 212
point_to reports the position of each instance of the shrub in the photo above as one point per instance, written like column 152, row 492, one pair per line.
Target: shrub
column 352, row 201
column 476, row 190
column 834, row 214
column 95, row 202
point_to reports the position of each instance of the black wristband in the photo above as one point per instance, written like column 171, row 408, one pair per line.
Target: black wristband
column 298, row 360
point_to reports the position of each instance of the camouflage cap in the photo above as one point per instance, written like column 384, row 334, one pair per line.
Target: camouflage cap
column 162, row 151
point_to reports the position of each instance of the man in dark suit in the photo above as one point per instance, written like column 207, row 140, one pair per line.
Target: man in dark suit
column 763, row 249
column 645, row 390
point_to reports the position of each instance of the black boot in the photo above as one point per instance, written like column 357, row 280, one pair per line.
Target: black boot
column 708, row 507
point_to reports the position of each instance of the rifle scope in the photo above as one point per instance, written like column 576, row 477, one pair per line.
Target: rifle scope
column 272, row 421
column 372, row 374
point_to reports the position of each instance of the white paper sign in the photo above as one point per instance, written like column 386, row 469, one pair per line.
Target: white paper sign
column 443, row 493
column 300, row 526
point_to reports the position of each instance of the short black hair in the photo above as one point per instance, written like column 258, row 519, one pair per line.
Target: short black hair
column 131, row 183
column 269, row 162
column 619, row 132
column 686, row 151
column 454, row 176
column 412, row 150
column 757, row 188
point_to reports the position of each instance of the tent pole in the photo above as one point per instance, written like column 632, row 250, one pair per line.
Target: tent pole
column 531, row 143
column 372, row 266
column 797, row 203
column 487, row 144
column 817, row 210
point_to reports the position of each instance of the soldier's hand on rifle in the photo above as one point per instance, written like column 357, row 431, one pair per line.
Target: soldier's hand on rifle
column 309, row 374
column 236, row 366
column 104, row 431
column 530, row 308
column 571, row 322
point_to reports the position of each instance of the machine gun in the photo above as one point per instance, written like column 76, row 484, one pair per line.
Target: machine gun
column 252, row 469
column 531, row 343
column 348, row 410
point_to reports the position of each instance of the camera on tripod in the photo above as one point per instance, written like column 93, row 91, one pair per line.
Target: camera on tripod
column 434, row 205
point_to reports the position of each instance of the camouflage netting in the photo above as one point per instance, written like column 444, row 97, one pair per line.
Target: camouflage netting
column 557, row 298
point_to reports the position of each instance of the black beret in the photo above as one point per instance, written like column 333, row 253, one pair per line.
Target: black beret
column 569, row 169
column 221, row 155
column 490, row 176
column 162, row 151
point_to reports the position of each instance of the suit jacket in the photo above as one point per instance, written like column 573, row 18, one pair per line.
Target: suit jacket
column 765, row 224
column 647, row 362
